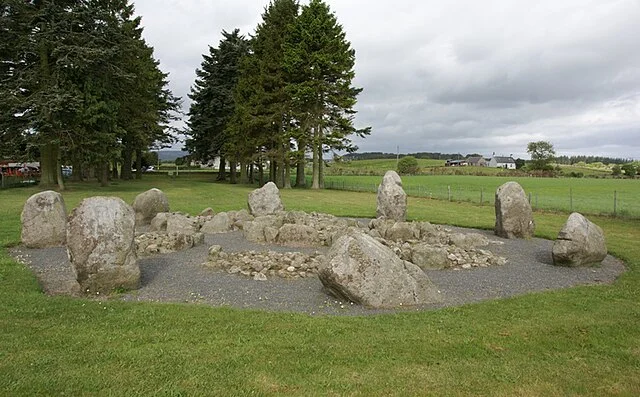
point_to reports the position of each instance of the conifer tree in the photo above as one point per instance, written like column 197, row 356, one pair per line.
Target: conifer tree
column 319, row 64
column 264, row 113
column 213, row 100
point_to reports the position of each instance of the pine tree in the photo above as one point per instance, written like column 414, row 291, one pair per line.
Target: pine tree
column 213, row 100
column 319, row 64
column 263, row 101
column 71, row 79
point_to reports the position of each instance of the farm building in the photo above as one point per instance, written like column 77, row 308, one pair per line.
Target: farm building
column 502, row 162
column 477, row 161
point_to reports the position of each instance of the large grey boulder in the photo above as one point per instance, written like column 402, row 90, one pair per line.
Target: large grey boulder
column 220, row 223
column 255, row 230
column 265, row 201
column 44, row 220
column 148, row 204
column 427, row 256
column 101, row 247
column 514, row 218
column 364, row 271
column 178, row 223
column 392, row 200
column 579, row 243
column 294, row 234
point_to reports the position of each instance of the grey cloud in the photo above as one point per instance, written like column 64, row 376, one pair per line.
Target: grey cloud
column 459, row 76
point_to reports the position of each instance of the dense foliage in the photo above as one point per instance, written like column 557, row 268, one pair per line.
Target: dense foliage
column 284, row 93
column 408, row 165
column 79, row 85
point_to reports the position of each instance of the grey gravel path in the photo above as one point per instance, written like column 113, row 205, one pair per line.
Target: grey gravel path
column 180, row 277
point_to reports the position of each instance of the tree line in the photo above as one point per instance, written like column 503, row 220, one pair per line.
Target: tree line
column 79, row 85
column 276, row 96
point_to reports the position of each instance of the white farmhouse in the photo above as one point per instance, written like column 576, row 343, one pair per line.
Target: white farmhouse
column 503, row 162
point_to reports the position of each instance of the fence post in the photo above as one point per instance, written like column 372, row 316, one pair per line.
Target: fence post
column 570, row 200
column 529, row 198
column 615, row 202
column 449, row 192
column 536, row 200
column 481, row 196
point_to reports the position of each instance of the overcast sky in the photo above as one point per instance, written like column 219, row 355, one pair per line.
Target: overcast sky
column 457, row 76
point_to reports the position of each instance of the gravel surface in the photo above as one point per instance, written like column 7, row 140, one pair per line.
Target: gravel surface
column 181, row 277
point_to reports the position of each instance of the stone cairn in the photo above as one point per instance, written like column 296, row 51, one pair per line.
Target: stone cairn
column 514, row 218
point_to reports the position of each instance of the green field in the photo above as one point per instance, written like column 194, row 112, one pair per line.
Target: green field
column 586, row 195
column 580, row 341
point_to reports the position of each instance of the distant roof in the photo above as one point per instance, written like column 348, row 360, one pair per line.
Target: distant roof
column 474, row 159
column 504, row 160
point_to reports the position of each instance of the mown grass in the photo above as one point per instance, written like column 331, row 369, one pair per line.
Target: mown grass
column 590, row 196
column 580, row 341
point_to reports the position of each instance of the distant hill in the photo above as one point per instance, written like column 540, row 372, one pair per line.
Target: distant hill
column 171, row 155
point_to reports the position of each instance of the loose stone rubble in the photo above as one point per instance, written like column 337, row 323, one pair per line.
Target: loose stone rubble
column 262, row 265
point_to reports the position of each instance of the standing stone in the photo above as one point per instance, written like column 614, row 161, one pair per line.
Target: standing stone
column 514, row 218
column 579, row 243
column 44, row 220
column 265, row 201
column 392, row 200
column 101, row 246
column 148, row 204
column 364, row 271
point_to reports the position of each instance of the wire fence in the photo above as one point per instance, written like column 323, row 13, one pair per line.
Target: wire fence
column 617, row 203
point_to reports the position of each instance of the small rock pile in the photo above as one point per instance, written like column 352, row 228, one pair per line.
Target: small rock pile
column 434, row 247
column 262, row 265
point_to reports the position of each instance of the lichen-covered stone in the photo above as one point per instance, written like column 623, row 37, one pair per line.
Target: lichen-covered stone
column 148, row 204
column 391, row 199
column 101, row 247
column 44, row 220
column 579, row 243
column 514, row 218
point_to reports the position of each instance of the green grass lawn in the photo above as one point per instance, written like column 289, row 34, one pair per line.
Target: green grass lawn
column 586, row 195
column 579, row 341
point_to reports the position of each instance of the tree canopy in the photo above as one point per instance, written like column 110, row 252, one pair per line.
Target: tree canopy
column 79, row 85
column 542, row 154
column 293, row 95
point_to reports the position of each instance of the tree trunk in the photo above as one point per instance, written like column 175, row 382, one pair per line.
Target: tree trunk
column 48, row 161
column 243, row 173
column 273, row 171
column 222, row 170
column 316, row 160
column 260, row 173
column 127, row 160
column 138, row 163
column 114, row 171
column 76, row 174
column 103, row 174
column 59, row 169
column 321, row 170
column 287, row 173
column 233, row 176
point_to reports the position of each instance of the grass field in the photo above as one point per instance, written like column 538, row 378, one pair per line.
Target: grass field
column 586, row 195
column 579, row 341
